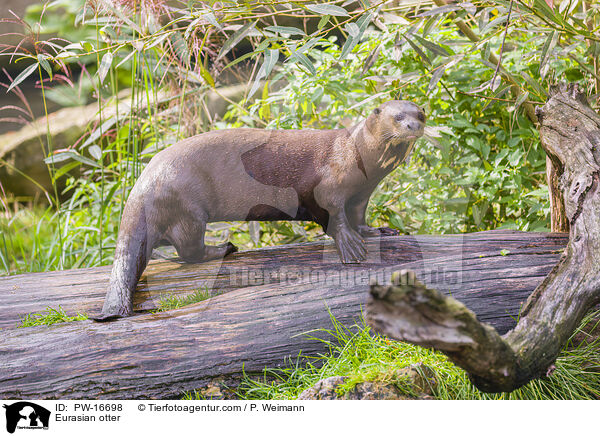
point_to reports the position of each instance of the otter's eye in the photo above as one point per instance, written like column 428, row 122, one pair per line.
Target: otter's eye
column 399, row 117
column 421, row 116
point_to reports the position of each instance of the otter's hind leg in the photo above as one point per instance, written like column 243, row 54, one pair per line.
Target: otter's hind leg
column 188, row 238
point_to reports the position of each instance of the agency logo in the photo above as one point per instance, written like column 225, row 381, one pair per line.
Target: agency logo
column 26, row 415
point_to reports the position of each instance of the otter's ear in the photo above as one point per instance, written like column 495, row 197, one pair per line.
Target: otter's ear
column 376, row 111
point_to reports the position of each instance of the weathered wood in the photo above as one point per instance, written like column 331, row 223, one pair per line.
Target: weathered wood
column 83, row 290
column 558, row 217
column 252, row 325
column 411, row 311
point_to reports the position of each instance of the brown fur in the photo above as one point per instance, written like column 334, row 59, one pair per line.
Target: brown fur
column 250, row 174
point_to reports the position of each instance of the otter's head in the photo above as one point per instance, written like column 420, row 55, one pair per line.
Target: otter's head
column 397, row 121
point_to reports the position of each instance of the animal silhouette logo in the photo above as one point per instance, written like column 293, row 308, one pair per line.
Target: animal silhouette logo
column 26, row 415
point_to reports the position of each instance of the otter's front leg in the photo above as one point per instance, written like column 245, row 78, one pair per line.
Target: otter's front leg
column 350, row 245
column 356, row 215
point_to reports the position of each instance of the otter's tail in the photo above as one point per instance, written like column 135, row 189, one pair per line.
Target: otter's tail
column 131, row 257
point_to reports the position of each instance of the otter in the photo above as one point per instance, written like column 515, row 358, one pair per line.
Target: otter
column 246, row 174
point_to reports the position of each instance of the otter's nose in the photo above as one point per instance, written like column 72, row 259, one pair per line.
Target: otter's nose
column 413, row 125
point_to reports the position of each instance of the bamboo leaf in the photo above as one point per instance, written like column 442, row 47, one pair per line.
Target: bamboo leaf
column 440, row 10
column 328, row 9
column 352, row 29
column 59, row 157
column 416, row 48
column 547, row 49
column 271, row 57
column 191, row 27
column 436, row 76
column 285, row 30
column 24, row 75
column 520, row 100
column 236, row 38
column 210, row 17
column 64, row 169
column 370, row 60
column 305, row 61
column 254, row 229
column 348, row 46
column 363, row 22
column 95, row 151
column 323, row 21
column 433, row 47
column 155, row 41
column 43, row 60
column 104, row 66
column 494, row 23
column 205, row 74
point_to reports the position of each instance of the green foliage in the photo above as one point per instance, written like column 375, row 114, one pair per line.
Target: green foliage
column 361, row 356
column 48, row 317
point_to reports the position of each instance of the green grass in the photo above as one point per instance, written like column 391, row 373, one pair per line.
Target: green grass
column 361, row 356
column 48, row 317
column 170, row 302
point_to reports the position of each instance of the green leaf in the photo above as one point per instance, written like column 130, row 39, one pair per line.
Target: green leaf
column 95, row 151
column 205, row 74
column 180, row 47
column 440, row 10
column 43, row 60
column 547, row 49
column 370, row 60
column 87, row 46
column 323, row 21
column 285, row 30
column 191, row 27
column 270, row 59
column 236, row 38
column 354, row 34
column 352, row 29
column 24, row 74
column 328, row 9
column 105, row 66
column 348, row 46
column 59, row 157
column 363, row 22
column 436, row 76
column 64, row 169
column 520, row 100
column 305, row 61
column 434, row 48
column 210, row 17
column 416, row 48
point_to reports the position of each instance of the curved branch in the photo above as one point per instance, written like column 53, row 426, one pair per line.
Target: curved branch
column 409, row 311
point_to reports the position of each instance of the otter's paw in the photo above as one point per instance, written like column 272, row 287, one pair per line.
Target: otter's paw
column 368, row 231
column 350, row 246
column 107, row 318
column 230, row 248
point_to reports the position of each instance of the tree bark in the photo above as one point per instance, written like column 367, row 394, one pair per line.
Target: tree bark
column 269, row 300
column 558, row 217
column 411, row 311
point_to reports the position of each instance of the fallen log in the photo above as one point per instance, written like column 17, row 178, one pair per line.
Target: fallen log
column 412, row 311
column 267, row 300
